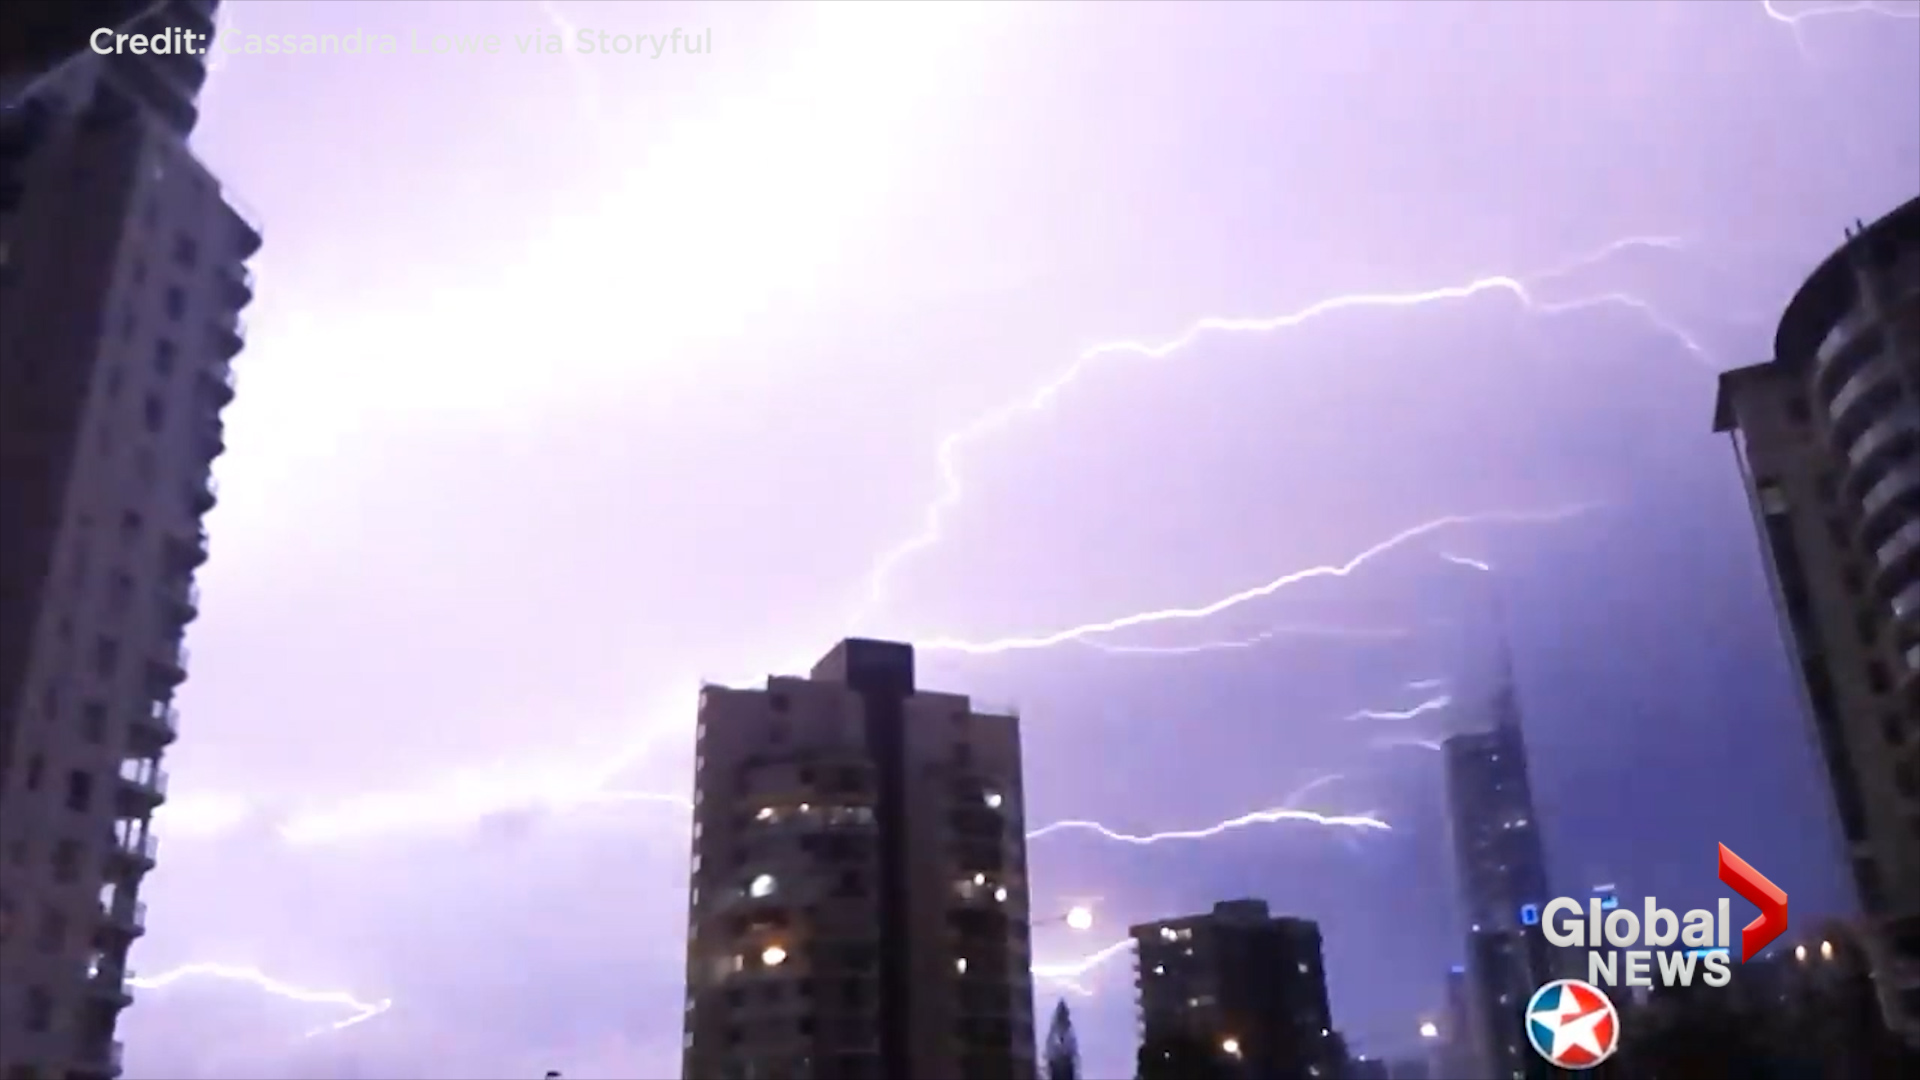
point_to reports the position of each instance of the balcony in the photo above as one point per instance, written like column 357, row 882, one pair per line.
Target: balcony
column 236, row 286
column 127, row 918
column 167, row 671
column 182, row 598
column 108, row 984
column 133, row 853
column 157, row 725
column 205, row 495
column 100, row 1061
column 184, row 553
column 1872, row 381
column 229, row 337
column 1902, row 481
column 142, row 787
column 216, row 381
column 1896, row 430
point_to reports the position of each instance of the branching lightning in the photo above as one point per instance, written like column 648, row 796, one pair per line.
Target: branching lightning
column 362, row 1010
column 947, row 454
column 1846, row 7
column 1068, row 974
column 1257, row 592
column 1391, row 742
column 1426, row 684
column 1473, row 564
column 1432, row 704
column 1257, row 817
column 1347, row 633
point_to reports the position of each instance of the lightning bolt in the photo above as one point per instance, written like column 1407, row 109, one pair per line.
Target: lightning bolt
column 1432, row 704
column 1350, row 633
column 947, row 454
column 1398, row 741
column 1257, row 592
column 1067, row 974
column 1426, row 684
column 1848, row 7
column 466, row 796
column 1257, row 817
column 362, row 1010
column 1462, row 560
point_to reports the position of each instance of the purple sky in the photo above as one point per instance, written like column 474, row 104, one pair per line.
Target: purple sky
column 574, row 379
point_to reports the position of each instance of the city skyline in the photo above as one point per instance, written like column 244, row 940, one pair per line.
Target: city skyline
column 557, row 367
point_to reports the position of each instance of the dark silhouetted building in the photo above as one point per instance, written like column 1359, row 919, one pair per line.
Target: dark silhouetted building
column 859, row 896
column 1806, row 1008
column 1827, row 436
column 1364, row 1067
column 1500, row 867
column 37, row 36
column 122, row 277
column 1243, row 982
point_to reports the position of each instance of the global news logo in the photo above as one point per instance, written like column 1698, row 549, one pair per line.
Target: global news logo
column 1629, row 949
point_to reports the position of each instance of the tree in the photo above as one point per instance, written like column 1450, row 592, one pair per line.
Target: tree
column 1181, row 1057
column 1063, row 1049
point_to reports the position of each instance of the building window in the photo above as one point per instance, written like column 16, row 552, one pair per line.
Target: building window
column 176, row 302
column 119, row 592
column 130, row 524
column 52, row 936
column 93, row 721
column 39, row 1009
column 66, row 861
column 36, row 771
column 79, row 791
column 154, row 414
column 164, row 353
column 185, row 251
column 106, row 657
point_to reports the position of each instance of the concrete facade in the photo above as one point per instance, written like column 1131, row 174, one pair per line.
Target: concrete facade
column 1827, row 436
column 122, row 275
column 859, row 903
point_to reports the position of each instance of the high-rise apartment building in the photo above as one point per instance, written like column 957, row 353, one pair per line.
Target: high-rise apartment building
column 859, row 887
column 122, row 275
column 1500, row 866
column 1827, row 434
column 1243, row 982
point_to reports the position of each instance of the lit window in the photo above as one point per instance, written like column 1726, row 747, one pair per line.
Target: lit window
column 993, row 799
column 766, row 814
column 979, row 879
column 762, row 886
column 1167, row 934
column 1000, row 895
column 960, row 965
column 773, row 956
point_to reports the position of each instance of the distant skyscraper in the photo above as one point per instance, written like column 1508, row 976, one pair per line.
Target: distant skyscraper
column 1828, row 439
column 1243, row 982
column 859, row 895
column 1500, row 864
column 122, row 276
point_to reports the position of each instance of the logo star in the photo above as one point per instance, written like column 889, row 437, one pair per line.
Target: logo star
column 1573, row 1025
